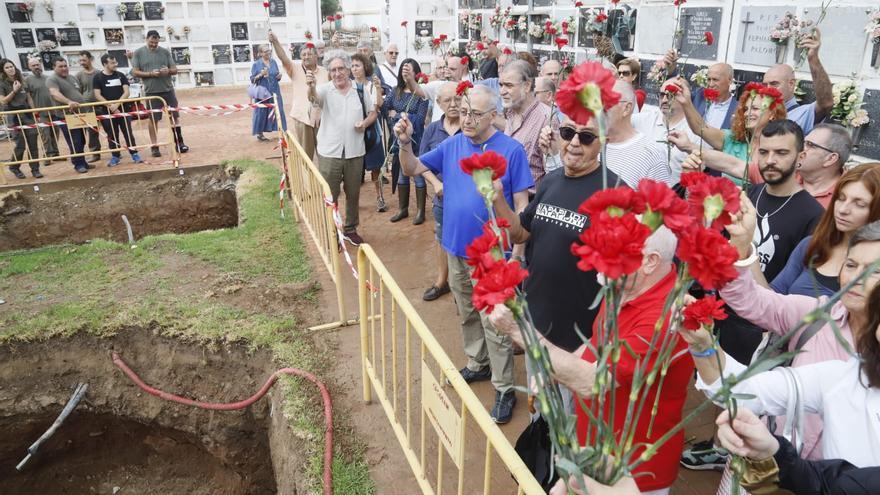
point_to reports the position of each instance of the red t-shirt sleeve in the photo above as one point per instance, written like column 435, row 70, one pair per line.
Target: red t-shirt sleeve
column 755, row 174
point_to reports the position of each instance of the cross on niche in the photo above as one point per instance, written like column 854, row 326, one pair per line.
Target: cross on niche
column 746, row 23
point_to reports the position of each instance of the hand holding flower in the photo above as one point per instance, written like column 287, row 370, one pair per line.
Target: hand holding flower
column 746, row 435
column 403, row 130
column 501, row 319
column 742, row 230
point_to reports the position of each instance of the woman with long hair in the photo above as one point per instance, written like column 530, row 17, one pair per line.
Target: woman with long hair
column 403, row 99
column 266, row 74
column 14, row 96
column 815, row 263
column 369, row 89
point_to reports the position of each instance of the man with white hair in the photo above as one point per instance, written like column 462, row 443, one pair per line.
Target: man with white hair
column 719, row 113
column 490, row 355
column 525, row 116
column 388, row 68
column 305, row 116
column 781, row 77
column 644, row 298
column 545, row 90
column 341, row 147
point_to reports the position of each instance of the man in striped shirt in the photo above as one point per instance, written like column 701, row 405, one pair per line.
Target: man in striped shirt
column 629, row 153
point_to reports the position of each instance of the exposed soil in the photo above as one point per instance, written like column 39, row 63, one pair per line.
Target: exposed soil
column 200, row 199
column 121, row 437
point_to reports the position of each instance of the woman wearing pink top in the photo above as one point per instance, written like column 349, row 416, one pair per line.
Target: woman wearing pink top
column 778, row 313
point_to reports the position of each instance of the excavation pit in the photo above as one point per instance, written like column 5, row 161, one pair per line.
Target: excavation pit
column 121, row 440
column 153, row 201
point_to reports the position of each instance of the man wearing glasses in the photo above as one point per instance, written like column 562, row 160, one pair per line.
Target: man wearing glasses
column 559, row 295
column 490, row 355
column 388, row 68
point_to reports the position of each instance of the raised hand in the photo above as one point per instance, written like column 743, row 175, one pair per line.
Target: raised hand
column 742, row 230
column 548, row 142
column 680, row 140
column 403, row 130
column 310, row 79
column 812, row 43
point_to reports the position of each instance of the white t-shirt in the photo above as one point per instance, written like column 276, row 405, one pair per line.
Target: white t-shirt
column 337, row 137
column 636, row 159
column 650, row 123
column 389, row 74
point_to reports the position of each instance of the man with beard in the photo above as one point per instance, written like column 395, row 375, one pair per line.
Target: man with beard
column 525, row 116
column 36, row 88
column 786, row 214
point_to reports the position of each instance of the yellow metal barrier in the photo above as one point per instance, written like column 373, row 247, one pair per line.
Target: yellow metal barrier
column 80, row 118
column 403, row 338
column 309, row 191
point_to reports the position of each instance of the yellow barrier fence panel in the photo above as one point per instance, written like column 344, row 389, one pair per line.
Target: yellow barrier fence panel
column 458, row 443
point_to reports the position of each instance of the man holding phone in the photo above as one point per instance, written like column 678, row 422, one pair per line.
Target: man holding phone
column 154, row 66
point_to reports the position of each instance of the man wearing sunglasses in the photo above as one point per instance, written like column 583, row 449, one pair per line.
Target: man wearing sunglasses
column 490, row 355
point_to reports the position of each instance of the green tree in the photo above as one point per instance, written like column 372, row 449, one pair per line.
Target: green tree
column 329, row 7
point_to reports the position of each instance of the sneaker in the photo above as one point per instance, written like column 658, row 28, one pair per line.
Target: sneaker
column 183, row 148
column 354, row 238
column 81, row 170
column 135, row 157
column 704, row 456
column 93, row 158
column 381, row 206
column 89, row 166
column 476, row 376
column 435, row 292
column 502, row 411
column 18, row 173
column 114, row 161
column 156, row 152
column 36, row 174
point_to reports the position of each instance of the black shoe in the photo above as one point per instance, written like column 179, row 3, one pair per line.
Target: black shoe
column 156, row 152
column 502, row 411
column 81, row 170
column 17, row 173
column 36, row 174
column 184, row 148
column 476, row 376
column 261, row 137
column 435, row 292
column 354, row 238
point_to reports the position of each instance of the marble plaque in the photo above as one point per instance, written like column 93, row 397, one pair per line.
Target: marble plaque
column 48, row 57
column 114, row 36
column 68, row 36
column 753, row 45
column 843, row 36
column 23, row 61
column 120, row 57
column 241, row 53
column 184, row 77
column 694, row 25
column 174, row 10
column 204, row 78
column 216, row 10
column 239, row 31
column 869, row 140
column 153, row 11
column 237, row 9
column 277, row 8
column 44, row 34
column 425, row 28
column 259, row 31
column 196, row 9
column 180, row 55
column 24, row 38
column 16, row 13
column 87, row 12
column 131, row 14
column 658, row 39
column 223, row 76
column 585, row 35
column 222, row 54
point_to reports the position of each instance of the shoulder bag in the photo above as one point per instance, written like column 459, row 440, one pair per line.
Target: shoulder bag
column 370, row 134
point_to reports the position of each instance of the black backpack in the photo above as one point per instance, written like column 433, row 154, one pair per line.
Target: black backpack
column 371, row 135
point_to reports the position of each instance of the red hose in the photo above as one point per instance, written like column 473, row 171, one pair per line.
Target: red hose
column 325, row 395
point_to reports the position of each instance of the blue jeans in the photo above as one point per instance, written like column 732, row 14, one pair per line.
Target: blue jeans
column 76, row 141
column 437, row 209
column 403, row 180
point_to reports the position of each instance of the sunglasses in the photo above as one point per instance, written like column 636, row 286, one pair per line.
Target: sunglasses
column 568, row 133
column 624, row 73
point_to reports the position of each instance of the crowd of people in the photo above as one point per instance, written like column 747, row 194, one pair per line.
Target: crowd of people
column 83, row 93
column 809, row 225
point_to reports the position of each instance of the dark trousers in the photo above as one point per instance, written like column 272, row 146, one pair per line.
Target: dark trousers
column 76, row 141
column 116, row 128
column 25, row 139
column 94, row 139
column 49, row 135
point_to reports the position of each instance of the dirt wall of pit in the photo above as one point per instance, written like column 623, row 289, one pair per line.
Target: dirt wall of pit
column 251, row 451
column 154, row 202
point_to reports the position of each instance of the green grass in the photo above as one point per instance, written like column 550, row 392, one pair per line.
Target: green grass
column 104, row 287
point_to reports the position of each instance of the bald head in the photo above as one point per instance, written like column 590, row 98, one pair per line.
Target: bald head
column 781, row 77
column 719, row 77
column 544, row 90
column 551, row 68
column 391, row 53
column 619, row 115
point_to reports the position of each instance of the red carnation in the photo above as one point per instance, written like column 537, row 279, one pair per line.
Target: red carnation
column 671, row 89
column 486, row 249
column 564, row 25
column 404, row 23
column 663, row 207
column 561, row 42
column 772, row 96
column 338, row 17
column 465, row 61
column 480, row 46
column 613, row 201
column 551, row 30
column 753, row 86
column 330, row 18
column 678, row 3
column 310, row 45
column 612, row 245
column 443, row 37
column 713, row 200
column 374, row 29
column 703, row 312
column 588, row 90
column 421, row 78
column 710, row 94
column 488, row 160
column 507, row 51
column 435, row 42
column 615, row 2
column 601, row 17
column 463, row 86
column 266, row 5
column 547, row 24
column 497, row 285
column 579, row 4
column 709, row 38
column 709, row 257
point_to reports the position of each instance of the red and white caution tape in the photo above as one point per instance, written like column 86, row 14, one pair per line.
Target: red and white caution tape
column 337, row 219
column 238, row 107
column 281, row 194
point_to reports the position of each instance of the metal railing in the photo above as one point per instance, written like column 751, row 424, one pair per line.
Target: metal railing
column 311, row 196
column 23, row 124
column 393, row 337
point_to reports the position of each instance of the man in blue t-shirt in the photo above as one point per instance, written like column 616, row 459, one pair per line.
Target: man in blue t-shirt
column 490, row 355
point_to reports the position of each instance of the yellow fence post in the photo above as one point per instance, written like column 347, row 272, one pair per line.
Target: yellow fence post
column 365, row 320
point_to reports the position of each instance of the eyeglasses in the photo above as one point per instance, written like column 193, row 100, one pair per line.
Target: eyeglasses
column 586, row 137
column 623, row 74
column 392, row 53
column 811, row 144
column 470, row 114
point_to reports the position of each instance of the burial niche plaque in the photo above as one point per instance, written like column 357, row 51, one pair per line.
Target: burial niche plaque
column 239, row 31
column 133, row 11
column 657, row 39
column 277, row 8
column 154, row 11
column 44, row 34
column 120, row 57
column 753, row 43
column 69, row 37
column 24, row 38
column 241, row 53
column 18, row 12
column 695, row 23
column 221, row 54
column 843, row 46
column 180, row 55
column 425, row 28
column 869, row 139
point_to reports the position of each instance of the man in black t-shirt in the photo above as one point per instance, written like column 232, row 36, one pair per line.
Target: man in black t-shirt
column 109, row 85
column 559, row 294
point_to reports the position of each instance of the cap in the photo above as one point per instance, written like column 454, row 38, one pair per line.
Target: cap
column 152, row 32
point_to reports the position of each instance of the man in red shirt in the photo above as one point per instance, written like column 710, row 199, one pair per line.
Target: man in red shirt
column 642, row 307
